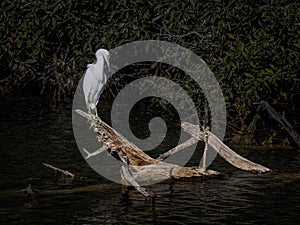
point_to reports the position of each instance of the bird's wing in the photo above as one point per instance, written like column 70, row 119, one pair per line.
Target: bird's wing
column 95, row 78
column 88, row 85
column 105, row 78
column 100, row 88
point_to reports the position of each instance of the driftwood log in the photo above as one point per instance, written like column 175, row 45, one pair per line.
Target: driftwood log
column 223, row 150
column 139, row 169
column 123, row 150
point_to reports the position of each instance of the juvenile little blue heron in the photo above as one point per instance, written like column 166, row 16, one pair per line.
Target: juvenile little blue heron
column 95, row 79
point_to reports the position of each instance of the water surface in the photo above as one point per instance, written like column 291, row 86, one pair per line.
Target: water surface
column 38, row 130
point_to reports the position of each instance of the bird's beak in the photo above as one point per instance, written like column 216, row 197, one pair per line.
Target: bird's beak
column 106, row 58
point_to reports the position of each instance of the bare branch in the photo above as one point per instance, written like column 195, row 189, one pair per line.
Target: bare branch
column 65, row 172
column 97, row 152
column 282, row 120
column 178, row 148
column 224, row 151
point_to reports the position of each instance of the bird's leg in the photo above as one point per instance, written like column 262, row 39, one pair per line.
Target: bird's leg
column 89, row 109
column 96, row 113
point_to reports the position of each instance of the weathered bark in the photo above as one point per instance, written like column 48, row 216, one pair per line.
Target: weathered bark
column 139, row 169
column 223, row 150
column 284, row 123
column 118, row 145
column 145, row 168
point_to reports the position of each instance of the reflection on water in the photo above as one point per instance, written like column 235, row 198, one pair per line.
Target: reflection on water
column 37, row 130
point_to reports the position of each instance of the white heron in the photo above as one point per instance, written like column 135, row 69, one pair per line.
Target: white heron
column 95, row 79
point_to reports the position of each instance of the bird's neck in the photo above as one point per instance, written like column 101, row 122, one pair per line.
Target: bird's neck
column 100, row 64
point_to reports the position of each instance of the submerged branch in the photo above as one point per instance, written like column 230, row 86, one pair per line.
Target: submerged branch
column 65, row 172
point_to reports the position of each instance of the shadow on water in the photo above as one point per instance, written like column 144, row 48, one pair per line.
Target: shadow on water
column 38, row 130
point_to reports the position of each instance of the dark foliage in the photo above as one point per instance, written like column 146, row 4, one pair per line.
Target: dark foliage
column 253, row 48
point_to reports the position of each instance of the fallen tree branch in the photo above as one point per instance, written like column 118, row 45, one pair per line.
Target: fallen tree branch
column 178, row 148
column 65, row 172
column 129, row 180
column 116, row 143
column 97, row 152
column 120, row 147
column 223, row 150
column 140, row 169
column 284, row 123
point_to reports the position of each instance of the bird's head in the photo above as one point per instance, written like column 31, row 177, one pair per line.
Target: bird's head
column 105, row 54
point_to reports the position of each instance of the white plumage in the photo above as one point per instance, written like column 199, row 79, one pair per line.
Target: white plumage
column 94, row 80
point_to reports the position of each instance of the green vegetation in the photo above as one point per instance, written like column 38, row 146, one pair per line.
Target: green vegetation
column 253, row 48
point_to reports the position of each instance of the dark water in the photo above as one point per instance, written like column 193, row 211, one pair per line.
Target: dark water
column 38, row 130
